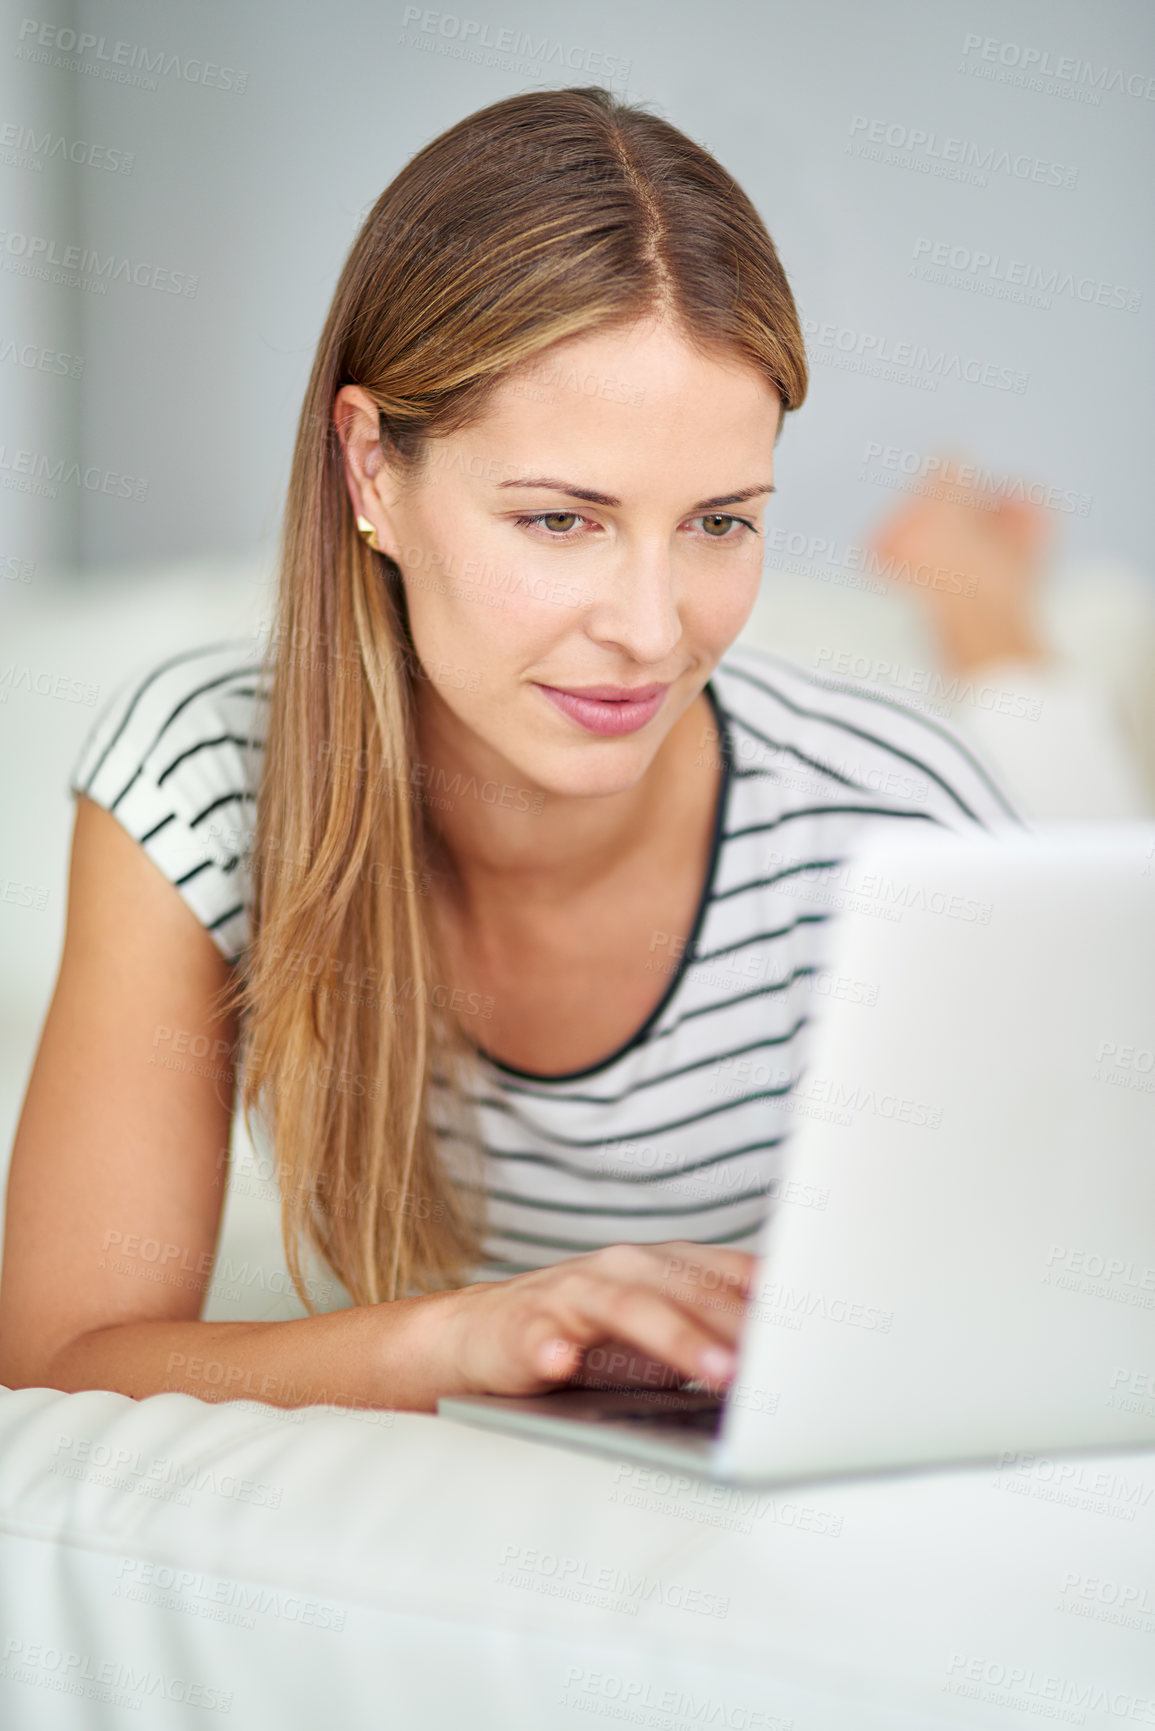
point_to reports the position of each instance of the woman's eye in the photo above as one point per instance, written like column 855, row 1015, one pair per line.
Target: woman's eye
column 718, row 526
column 556, row 523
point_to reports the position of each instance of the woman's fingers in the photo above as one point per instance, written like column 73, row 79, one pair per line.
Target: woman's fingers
column 640, row 1318
column 712, row 1281
column 618, row 1364
column 557, row 1359
column 651, row 1302
column 659, row 1312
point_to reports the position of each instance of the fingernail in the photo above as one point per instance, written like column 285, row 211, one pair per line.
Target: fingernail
column 718, row 1363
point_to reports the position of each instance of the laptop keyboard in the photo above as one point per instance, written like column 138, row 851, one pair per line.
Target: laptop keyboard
column 701, row 1418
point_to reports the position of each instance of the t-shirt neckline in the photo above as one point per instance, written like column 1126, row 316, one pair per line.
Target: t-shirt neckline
column 684, row 960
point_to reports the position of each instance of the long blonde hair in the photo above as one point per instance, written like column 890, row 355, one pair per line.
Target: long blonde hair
column 538, row 218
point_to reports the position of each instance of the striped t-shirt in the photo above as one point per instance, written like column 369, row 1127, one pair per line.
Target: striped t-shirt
column 679, row 1133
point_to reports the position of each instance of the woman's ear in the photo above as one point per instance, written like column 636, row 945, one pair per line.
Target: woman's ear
column 369, row 477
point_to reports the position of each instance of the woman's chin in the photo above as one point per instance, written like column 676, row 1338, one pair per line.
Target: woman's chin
column 599, row 770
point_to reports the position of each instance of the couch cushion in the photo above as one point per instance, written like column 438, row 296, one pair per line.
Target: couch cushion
column 324, row 1565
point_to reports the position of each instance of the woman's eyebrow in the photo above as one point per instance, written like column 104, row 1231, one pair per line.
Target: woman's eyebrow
column 551, row 485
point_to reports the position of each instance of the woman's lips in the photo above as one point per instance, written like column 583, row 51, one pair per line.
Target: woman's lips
column 608, row 708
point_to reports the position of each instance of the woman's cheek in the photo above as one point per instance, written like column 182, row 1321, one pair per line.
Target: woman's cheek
column 467, row 638
column 718, row 615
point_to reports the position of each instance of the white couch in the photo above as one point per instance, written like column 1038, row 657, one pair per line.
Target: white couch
column 165, row 1561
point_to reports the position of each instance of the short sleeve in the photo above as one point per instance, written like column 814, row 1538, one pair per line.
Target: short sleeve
column 176, row 758
column 873, row 743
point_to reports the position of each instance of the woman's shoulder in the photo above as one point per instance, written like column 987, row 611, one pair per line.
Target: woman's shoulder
column 176, row 756
column 800, row 727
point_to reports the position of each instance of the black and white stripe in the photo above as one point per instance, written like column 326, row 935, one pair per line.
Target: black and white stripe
column 176, row 757
column 679, row 1133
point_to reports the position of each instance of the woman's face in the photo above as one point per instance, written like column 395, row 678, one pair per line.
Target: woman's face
column 597, row 532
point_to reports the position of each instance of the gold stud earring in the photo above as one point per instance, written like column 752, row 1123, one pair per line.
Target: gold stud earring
column 369, row 532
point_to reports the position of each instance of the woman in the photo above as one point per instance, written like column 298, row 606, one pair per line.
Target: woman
column 502, row 875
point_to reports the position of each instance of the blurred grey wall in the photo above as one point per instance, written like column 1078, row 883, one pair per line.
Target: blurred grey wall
column 960, row 194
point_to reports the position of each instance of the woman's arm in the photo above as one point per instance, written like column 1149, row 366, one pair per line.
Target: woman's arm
column 118, row 1152
column 119, row 1141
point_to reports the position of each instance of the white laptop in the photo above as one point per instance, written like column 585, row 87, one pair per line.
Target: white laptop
column 981, row 1281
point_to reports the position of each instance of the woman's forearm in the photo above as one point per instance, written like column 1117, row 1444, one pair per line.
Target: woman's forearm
column 378, row 1355
column 650, row 1308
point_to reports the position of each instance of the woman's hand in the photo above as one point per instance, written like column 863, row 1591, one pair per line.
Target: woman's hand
column 609, row 1318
